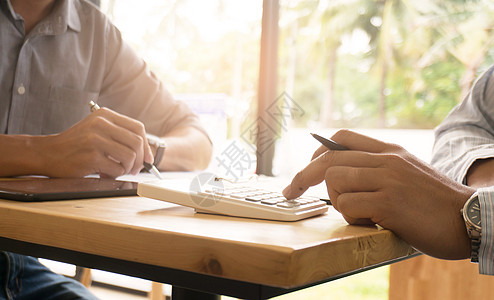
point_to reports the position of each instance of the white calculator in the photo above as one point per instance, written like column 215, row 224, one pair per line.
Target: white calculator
column 208, row 194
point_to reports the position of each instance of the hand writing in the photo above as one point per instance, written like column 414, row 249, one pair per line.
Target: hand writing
column 105, row 142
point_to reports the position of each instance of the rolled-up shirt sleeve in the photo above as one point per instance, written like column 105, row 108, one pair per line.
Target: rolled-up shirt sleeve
column 486, row 250
column 466, row 135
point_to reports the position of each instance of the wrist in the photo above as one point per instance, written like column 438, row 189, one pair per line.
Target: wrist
column 460, row 241
column 21, row 155
column 39, row 153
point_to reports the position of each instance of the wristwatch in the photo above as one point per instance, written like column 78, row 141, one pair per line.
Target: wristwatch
column 159, row 144
column 471, row 215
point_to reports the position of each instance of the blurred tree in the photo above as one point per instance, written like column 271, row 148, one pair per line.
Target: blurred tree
column 331, row 21
column 351, row 63
column 464, row 30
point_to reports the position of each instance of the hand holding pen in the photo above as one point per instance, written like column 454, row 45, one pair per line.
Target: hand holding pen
column 137, row 129
column 104, row 142
column 313, row 174
column 374, row 182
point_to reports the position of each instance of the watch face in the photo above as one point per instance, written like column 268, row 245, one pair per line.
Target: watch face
column 473, row 211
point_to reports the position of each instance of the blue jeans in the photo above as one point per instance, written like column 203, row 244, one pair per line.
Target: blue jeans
column 25, row 278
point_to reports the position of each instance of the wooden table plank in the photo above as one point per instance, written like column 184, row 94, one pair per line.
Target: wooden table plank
column 280, row 254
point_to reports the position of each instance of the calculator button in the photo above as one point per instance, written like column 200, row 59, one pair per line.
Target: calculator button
column 270, row 201
column 253, row 198
column 238, row 195
column 288, row 204
column 277, row 194
column 254, row 194
column 279, row 199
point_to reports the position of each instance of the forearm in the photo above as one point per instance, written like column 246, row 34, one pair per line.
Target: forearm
column 187, row 149
column 20, row 155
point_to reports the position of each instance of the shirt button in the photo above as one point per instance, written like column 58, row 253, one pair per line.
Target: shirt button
column 21, row 90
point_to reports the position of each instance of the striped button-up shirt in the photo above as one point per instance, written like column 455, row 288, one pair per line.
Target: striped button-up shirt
column 467, row 134
column 75, row 55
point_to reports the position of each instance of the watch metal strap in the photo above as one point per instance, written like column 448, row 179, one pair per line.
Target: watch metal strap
column 159, row 155
column 474, row 234
column 475, row 249
column 160, row 145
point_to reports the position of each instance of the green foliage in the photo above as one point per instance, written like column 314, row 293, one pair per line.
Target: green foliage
column 425, row 46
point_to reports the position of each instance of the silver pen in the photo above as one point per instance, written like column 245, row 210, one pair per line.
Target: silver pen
column 93, row 106
column 329, row 143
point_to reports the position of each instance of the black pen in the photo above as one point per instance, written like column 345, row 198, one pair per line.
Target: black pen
column 330, row 144
column 93, row 106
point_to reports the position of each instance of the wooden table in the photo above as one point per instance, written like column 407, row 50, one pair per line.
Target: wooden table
column 154, row 240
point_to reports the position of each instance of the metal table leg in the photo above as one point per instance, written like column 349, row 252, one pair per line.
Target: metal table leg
column 179, row 293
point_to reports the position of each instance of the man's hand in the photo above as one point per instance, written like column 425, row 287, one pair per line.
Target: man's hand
column 380, row 183
column 105, row 143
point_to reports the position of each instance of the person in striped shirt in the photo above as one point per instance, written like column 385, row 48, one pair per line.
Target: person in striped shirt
column 381, row 183
column 464, row 151
column 424, row 204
